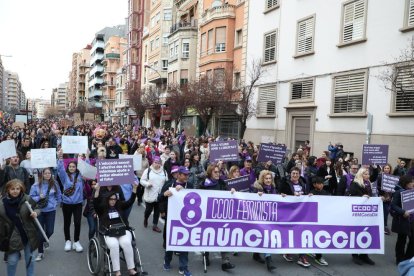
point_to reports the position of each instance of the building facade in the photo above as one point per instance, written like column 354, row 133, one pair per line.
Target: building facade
column 13, row 92
column 41, row 107
column 59, row 98
column 2, row 84
column 323, row 74
column 111, row 62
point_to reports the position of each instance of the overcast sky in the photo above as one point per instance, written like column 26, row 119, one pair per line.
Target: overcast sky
column 41, row 36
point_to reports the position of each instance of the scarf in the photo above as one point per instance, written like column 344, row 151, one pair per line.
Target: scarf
column 11, row 205
column 210, row 182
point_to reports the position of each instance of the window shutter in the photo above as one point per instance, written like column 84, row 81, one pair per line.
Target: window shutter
column 203, row 44
column 349, row 93
column 305, row 36
column 270, row 47
column 267, row 101
column 302, row 90
column 354, row 21
column 210, row 42
column 271, row 3
column 411, row 13
column 404, row 98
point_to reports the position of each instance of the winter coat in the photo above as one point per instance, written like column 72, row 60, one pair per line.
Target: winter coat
column 197, row 174
column 356, row 190
column 286, row 186
column 11, row 233
column 400, row 224
column 157, row 179
column 257, row 187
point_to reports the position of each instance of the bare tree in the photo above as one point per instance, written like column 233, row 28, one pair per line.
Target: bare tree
column 246, row 108
column 80, row 108
column 398, row 78
column 178, row 100
column 212, row 96
column 52, row 112
column 136, row 102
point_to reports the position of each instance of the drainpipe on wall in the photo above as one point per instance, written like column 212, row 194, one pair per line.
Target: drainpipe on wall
column 369, row 129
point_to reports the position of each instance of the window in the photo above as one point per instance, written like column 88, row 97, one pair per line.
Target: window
column 183, row 77
column 267, row 101
column 220, row 39
column 408, row 16
column 305, row 33
column 203, row 44
column 404, row 89
column 151, row 45
column 167, row 14
column 349, row 93
column 164, row 64
column 186, row 48
column 174, row 50
column 270, row 4
column 155, row 65
column 175, row 77
column 301, row 90
column 237, row 80
column 210, row 42
column 219, row 77
column 239, row 38
column 270, row 47
column 165, row 39
column 353, row 21
column 157, row 42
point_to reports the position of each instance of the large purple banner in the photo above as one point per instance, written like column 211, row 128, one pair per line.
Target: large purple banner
column 407, row 201
column 374, row 154
column 115, row 171
column 275, row 153
column 201, row 220
column 224, row 150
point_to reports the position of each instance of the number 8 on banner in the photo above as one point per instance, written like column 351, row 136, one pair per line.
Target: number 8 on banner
column 191, row 213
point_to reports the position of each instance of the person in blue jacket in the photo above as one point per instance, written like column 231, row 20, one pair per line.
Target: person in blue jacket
column 72, row 198
column 47, row 194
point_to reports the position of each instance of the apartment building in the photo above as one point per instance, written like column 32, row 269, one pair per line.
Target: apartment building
column 13, row 91
column 111, row 62
column 59, row 97
column 324, row 63
column 95, row 92
column 221, row 47
column 41, row 106
column 22, row 100
column 73, row 82
column 83, row 60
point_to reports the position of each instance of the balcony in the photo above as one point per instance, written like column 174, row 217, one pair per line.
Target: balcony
column 96, row 57
column 94, row 81
column 112, row 56
column 184, row 26
column 96, row 93
column 223, row 11
column 96, row 69
column 98, row 44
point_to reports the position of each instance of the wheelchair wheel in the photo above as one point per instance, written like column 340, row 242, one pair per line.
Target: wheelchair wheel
column 95, row 257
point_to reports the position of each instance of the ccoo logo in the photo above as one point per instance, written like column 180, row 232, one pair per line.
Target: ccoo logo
column 366, row 208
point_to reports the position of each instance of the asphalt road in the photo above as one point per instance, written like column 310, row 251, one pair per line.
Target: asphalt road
column 57, row 262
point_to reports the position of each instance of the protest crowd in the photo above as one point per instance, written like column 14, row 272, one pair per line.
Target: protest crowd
column 169, row 158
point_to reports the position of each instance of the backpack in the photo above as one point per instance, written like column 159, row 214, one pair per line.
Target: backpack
column 149, row 170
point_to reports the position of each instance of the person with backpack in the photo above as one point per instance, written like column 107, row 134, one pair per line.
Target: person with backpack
column 153, row 180
column 72, row 199
column 402, row 221
column 47, row 194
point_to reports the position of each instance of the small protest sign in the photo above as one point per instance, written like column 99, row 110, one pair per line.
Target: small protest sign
column 74, row 144
column 86, row 169
column 7, row 149
column 240, row 184
column 275, row 153
column 137, row 158
column 18, row 124
column 43, row 158
column 115, row 171
column 77, row 119
column 388, row 182
column 224, row 150
column 89, row 117
column 407, row 201
column 374, row 154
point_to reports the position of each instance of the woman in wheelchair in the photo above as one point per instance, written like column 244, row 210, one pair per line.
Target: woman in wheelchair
column 115, row 228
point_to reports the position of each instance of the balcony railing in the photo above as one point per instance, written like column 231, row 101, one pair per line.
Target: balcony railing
column 184, row 26
column 218, row 12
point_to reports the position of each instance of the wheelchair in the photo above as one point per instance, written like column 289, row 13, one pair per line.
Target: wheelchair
column 99, row 259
